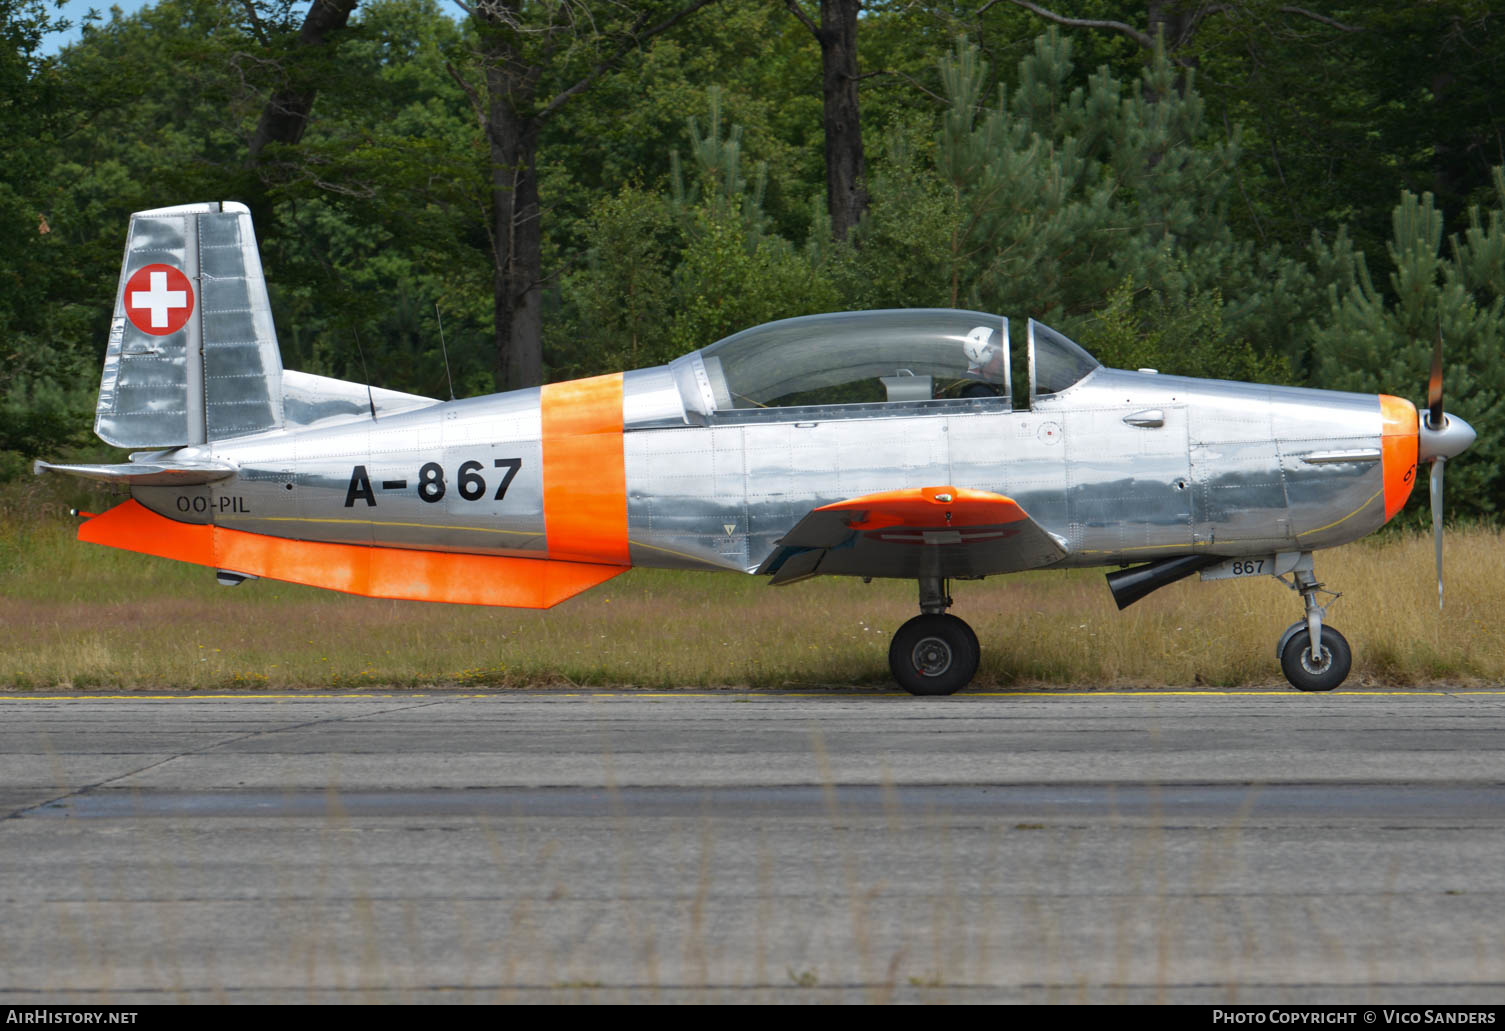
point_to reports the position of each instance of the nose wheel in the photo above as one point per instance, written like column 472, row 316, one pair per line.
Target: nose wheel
column 1321, row 673
column 1313, row 657
column 935, row 653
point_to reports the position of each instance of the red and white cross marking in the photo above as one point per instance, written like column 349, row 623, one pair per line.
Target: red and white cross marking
column 158, row 299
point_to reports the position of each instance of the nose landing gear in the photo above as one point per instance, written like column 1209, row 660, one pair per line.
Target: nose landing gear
column 935, row 653
column 1313, row 657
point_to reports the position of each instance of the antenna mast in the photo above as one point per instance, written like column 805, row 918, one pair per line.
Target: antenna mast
column 445, row 351
column 365, row 372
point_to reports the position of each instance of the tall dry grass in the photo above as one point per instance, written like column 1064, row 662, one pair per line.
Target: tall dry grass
column 76, row 615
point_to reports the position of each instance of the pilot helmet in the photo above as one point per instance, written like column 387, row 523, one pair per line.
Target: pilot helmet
column 978, row 346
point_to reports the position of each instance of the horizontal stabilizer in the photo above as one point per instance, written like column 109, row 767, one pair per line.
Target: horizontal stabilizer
column 525, row 583
column 926, row 531
column 146, row 474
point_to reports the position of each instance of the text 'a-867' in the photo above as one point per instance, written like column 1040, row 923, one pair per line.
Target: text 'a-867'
column 470, row 484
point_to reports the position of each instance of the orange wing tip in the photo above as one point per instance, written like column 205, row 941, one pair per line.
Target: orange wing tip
column 929, row 506
column 1398, row 441
column 399, row 573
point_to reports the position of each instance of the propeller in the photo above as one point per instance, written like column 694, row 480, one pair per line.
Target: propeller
column 1435, row 414
column 1440, row 437
column 1436, row 420
column 1434, row 490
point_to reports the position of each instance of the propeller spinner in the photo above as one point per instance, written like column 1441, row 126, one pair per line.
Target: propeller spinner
column 1439, row 437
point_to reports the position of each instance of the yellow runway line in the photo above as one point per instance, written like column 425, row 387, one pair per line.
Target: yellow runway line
column 185, row 697
column 655, row 696
column 1197, row 694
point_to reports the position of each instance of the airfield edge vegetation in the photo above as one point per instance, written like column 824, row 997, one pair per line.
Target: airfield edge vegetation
column 74, row 616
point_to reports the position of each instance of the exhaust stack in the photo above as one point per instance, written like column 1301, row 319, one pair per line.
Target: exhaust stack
column 1129, row 585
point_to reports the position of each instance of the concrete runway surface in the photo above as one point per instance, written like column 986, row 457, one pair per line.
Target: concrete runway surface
column 725, row 847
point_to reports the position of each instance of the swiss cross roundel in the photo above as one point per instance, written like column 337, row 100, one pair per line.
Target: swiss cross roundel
column 158, row 299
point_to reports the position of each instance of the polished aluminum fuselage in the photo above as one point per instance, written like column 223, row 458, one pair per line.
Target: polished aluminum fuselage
column 1122, row 466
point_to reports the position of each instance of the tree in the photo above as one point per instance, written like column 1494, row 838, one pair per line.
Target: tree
column 42, row 403
column 285, row 117
column 1336, row 104
column 734, row 272
column 535, row 59
column 380, row 212
column 1435, row 71
column 1044, row 201
column 670, row 273
column 1375, row 340
column 1174, row 23
column 1184, row 335
column 846, row 166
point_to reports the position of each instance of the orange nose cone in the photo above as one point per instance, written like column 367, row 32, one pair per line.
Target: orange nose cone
column 1397, row 451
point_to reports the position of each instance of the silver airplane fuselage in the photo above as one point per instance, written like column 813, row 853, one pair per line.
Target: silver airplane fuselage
column 1123, row 466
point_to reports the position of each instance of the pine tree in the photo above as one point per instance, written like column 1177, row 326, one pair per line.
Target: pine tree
column 1377, row 341
column 668, row 273
column 1047, row 200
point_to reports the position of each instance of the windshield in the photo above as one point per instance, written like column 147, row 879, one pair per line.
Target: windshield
column 909, row 354
column 1055, row 361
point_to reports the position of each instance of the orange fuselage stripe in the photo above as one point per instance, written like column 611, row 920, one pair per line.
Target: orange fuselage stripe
column 584, row 470
column 355, row 569
column 1397, row 451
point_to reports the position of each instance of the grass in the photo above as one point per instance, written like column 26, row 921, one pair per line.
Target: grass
column 79, row 616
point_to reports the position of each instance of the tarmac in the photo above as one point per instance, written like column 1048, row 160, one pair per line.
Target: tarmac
column 1247, row 847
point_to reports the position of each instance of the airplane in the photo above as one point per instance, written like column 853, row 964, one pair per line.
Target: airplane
column 867, row 443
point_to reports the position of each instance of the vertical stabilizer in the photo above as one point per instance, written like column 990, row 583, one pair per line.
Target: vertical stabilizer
column 192, row 355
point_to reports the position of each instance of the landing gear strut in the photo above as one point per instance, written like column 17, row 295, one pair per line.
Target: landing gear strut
column 935, row 653
column 1313, row 657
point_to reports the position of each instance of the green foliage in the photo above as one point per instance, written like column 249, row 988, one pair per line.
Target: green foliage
column 43, row 410
column 1381, row 341
column 43, row 401
column 1155, row 210
column 734, row 272
column 373, row 218
column 1184, row 335
column 380, row 213
column 668, row 273
column 719, row 185
column 621, row 302
column 1434, row 70
column 724, row 284
column 1300, row 98
column 765, row 70
column 1048, row 199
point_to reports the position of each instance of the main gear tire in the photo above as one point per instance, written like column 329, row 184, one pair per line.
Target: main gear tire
column 934, row 654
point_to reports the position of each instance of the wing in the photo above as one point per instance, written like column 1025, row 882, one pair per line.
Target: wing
column 926, row 531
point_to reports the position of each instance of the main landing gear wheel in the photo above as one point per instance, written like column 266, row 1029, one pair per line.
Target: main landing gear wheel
column 934, row 654
column 1323, row 674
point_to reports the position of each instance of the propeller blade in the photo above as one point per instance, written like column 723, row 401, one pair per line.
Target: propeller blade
column 1434, row 384
column 1434, row 488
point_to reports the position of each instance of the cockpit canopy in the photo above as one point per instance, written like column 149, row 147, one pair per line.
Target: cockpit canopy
column 874, row 357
